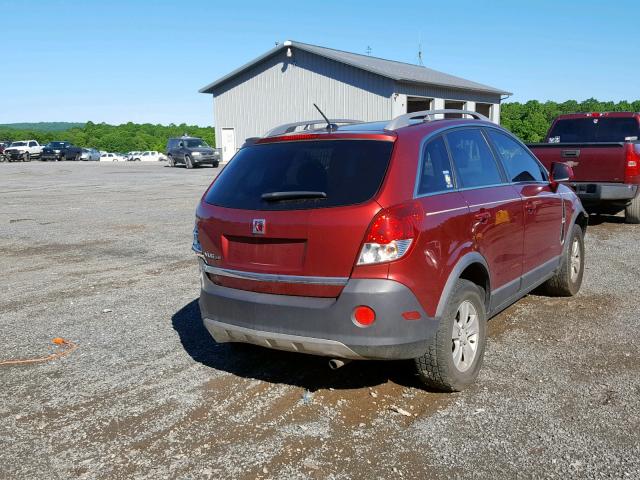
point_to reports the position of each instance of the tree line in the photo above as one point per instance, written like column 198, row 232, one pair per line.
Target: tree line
column 529, row 121
column 113, row 138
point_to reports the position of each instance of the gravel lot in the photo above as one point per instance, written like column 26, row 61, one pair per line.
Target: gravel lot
column 100, row 254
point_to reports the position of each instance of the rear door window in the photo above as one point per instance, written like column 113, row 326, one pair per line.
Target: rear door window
column 435, row 171
column 337, row 172
column 473, row 159
column 518, row 162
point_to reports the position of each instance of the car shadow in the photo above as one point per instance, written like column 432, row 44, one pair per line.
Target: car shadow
column 599, row 219
column 307, row 371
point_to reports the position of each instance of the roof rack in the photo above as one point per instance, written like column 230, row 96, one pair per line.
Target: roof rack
column 307, row 124
column 428, row 115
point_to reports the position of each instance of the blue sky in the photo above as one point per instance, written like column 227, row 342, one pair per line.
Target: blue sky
column 144, row 61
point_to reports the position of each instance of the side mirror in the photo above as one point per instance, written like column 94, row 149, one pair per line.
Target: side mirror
column 560, row 172
column 181, row 144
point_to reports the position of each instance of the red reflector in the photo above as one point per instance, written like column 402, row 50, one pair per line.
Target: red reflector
column 413, row 315
column 595, row 114
column 363, row 316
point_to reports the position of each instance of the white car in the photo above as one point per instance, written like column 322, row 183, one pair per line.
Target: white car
column 133, row 156
column 148, row 156
column 112, row 157
column 23, row 151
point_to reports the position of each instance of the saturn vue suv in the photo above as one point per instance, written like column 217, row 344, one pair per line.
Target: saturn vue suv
column 384, row 240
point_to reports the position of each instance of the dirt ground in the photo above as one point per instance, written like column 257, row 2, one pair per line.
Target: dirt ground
column 99, row 254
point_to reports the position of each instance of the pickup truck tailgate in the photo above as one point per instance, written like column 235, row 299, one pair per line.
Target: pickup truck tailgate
column 592, row 162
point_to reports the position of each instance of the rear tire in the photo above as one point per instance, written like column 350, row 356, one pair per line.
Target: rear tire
column 632, row 211
column 566, row 282
column 171, row 161
column 455, row 353
column 187, row 162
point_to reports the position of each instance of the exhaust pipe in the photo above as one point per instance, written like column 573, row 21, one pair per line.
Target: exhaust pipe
column 336, row 363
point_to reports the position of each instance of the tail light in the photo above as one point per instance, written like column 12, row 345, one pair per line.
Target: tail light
column 391, row 234
column 632, row 163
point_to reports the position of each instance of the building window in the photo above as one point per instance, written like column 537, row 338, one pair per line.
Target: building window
column 453, row 105
column 418, row 104
column 484, row 109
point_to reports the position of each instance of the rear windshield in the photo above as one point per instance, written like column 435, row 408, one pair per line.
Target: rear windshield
column 601, row 129
column 347, row 172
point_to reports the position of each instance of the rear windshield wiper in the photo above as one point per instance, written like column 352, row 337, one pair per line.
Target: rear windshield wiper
column 277, row 196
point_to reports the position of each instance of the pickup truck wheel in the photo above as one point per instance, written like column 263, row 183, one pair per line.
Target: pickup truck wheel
column 454, row 355
column 566, row 282
column 26, row 157
column 187, row 162
column 77, row 157
column 632, row 211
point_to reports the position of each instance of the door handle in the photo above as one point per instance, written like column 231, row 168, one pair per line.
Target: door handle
column 482, row 217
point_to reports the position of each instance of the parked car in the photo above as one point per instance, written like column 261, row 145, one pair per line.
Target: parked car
column 148, row 156
column 112, row 157
column 604, row 151
column 384, row 240
column 90, row 154
column 3, row 146
column 191, row 152
column 23, row 151
column 57, row 151
column 132, row 156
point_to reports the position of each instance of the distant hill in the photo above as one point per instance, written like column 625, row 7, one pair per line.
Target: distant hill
column 43, row 126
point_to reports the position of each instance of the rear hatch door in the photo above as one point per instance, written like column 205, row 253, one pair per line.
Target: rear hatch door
column 289, row 217
column 591, row 162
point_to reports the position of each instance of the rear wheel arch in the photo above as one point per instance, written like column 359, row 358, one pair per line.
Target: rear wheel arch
column 472, row 267
column 583, row 221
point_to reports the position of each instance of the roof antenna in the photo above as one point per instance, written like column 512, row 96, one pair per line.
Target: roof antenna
column 420, row 62
column 330, row 126
column 368, row 50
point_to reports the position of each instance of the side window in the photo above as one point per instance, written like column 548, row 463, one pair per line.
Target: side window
column 519, row 164
column 32, row 144
column 473, row 159
column 435, row 172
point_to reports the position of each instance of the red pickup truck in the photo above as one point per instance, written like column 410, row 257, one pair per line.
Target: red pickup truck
column 604, row 151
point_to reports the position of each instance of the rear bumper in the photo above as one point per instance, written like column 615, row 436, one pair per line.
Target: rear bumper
column 320, row 326
column 594, row 192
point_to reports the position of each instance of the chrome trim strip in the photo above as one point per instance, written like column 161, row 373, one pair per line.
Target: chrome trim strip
column 497, row 202
column 273, row 277
column 428, row 214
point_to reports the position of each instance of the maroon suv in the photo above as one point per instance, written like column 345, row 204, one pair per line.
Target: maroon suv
column 385, row 240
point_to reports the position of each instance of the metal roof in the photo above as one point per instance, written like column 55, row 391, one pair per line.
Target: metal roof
column 399, row 71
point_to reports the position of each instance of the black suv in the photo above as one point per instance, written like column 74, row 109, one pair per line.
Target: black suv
column 192, row 152
column 57, row 151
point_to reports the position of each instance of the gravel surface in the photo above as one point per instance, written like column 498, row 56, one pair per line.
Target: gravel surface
column 99, row 254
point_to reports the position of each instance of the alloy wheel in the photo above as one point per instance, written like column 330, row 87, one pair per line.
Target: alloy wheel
column 465, row 336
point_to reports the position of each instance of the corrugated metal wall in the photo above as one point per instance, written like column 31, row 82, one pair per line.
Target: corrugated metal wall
column 282, row 90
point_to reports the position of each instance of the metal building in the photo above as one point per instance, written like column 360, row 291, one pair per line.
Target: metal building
column 282, row 85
